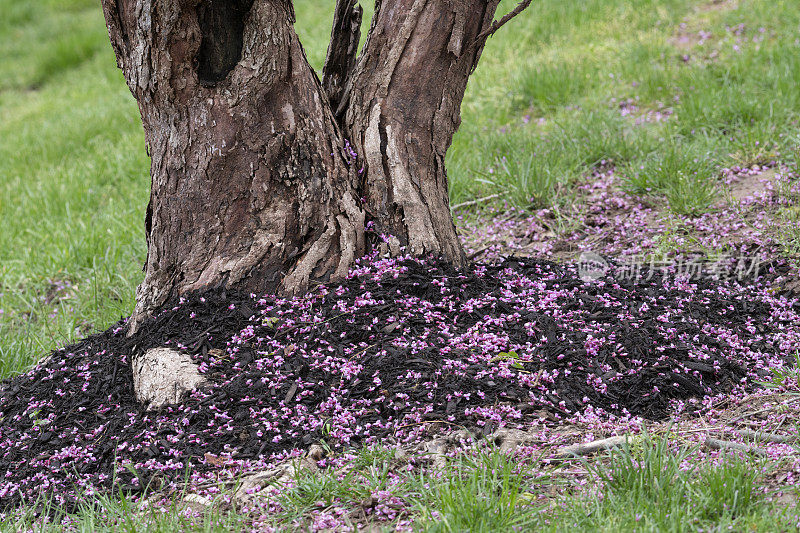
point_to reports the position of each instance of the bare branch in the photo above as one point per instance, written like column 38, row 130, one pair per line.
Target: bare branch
column 476, row 201
column 343, row 49
column 718, row 444
column 765, row 437
column 588, row 448
column 497, row 24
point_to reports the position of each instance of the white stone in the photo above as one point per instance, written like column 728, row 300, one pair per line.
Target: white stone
column 161, row 377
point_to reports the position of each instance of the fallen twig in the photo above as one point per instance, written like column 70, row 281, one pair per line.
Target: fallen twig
column 718, row 444
column 765, row 437
column 476, row 201
column 477, row 253
column 588, row 448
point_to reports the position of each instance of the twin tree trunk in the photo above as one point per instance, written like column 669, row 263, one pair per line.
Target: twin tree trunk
column 263, row 176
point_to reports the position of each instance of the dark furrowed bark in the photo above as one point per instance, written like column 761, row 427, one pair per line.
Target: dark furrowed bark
column 342, row 51
column 250, row 183
column 254, row 187
column 222, row 27
column 403, row 107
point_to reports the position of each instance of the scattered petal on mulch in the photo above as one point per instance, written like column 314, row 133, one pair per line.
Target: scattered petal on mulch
column 402, row 350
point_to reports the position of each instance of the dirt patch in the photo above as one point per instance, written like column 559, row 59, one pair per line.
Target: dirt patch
column 629, row 107
column 692, row 35
column 686, row 40
column 753, row 184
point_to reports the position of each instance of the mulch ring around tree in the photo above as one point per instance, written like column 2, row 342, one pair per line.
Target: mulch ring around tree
column 401, row 350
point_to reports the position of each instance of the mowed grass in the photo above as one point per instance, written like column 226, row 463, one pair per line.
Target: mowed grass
column 589, row 78
column 73, row 180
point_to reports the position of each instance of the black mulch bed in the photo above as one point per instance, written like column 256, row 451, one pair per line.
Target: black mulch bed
column 384, row 358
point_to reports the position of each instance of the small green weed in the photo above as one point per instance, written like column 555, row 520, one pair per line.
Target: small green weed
column 786, row 377
column 654, row 486
column 686, row 177
column 485, row 493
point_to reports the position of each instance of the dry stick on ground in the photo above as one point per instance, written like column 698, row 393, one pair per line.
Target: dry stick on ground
column 588, row 448
column 698, row 430
column 478, row 253
column 718, row 444
column 476, row 201
column 765, row 437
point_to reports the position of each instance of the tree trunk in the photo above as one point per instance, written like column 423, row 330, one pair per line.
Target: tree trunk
column 251, row 186
column 402, row 109
column 253, row 183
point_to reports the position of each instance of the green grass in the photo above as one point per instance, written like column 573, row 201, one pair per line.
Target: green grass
column 679, row 171
column 119, row 513
column 729, row 106
column 482, row 492
column 489, row 492
column 650, row 486
column 787, row 378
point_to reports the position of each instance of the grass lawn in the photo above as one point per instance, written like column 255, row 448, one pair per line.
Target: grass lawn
column 668, row 91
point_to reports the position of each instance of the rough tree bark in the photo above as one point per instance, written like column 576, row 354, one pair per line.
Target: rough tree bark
column 403, row 106
column 254, row 183
column 251, row 186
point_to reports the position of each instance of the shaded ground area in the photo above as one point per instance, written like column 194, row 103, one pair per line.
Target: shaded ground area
column 400, row 351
